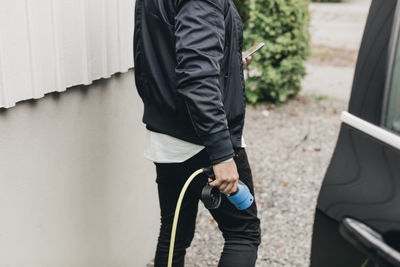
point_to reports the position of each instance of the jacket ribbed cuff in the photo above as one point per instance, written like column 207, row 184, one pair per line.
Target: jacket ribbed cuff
column 219, row 146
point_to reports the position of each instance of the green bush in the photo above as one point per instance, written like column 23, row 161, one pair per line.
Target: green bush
column 326, row 1
column 277, row 69
column 243, row 8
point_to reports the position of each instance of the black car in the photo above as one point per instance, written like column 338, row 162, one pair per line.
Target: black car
column 357, row 220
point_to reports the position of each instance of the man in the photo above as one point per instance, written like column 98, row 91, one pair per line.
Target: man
column 189, row 74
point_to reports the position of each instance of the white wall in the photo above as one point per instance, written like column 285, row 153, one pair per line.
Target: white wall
column 50, row 45
column 75, row 190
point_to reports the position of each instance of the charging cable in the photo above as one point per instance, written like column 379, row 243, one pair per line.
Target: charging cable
column 176, row 216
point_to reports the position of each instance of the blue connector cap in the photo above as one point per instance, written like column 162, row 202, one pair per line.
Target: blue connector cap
column 242, row 199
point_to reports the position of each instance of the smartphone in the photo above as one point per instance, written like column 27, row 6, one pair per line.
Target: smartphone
column 252, row 50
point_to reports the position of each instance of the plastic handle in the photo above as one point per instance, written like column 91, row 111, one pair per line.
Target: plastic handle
column 209, row 172
column 370, row 242
column 242, row 199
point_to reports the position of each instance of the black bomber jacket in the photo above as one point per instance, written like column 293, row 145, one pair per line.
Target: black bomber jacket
column 189, row 71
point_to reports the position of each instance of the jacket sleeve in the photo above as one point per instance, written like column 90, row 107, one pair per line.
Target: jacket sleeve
column 199, row 35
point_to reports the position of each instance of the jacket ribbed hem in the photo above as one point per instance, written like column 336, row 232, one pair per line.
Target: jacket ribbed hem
column 219, row 146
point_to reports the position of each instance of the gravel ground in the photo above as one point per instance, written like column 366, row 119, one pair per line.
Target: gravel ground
column 289, row 149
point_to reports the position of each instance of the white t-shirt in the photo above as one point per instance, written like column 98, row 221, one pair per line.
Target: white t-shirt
column 162, row 148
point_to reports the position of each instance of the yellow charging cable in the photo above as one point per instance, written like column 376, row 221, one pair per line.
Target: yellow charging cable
column 176, row 216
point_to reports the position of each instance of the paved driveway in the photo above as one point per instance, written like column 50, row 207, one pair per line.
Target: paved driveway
column 336, row 30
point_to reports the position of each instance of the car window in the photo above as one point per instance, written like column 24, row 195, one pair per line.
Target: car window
column 393, row 108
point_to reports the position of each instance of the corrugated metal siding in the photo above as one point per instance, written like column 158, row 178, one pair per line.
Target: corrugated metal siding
column 50, row 45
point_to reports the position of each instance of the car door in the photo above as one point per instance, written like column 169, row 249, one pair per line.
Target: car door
column 357, row 220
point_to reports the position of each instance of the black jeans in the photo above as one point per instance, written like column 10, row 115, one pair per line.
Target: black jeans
column 240, row 229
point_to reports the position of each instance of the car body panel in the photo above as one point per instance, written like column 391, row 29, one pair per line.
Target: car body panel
column 363, row 178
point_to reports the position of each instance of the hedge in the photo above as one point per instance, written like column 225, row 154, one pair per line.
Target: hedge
column 277, row 69
column 327, row 1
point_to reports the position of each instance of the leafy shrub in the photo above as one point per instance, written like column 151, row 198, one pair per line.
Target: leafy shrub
column 276, row 70
column 244, row 9
column 326, row 1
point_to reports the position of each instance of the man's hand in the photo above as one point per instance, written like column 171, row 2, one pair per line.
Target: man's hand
column 226, row 177
column 246, row 60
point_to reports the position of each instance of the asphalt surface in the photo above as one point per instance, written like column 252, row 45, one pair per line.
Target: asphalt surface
column 336, row 33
